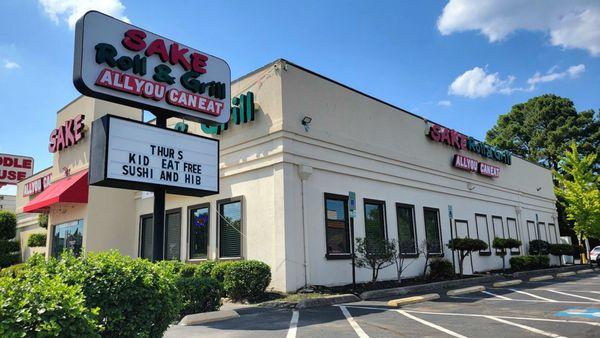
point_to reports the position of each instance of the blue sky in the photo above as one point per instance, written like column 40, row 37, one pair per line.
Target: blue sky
column 460, row 63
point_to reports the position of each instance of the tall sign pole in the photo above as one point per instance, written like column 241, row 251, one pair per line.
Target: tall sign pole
column 352, row 212
column 158, row 212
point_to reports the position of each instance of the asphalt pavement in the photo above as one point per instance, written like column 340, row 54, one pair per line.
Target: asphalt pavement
column 563, row 307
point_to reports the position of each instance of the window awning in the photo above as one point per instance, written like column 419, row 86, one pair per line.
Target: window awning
column 72, row 189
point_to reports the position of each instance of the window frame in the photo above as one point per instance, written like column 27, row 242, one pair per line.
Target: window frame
column 498, row 252
column 383, row 214
column 488, row 252
column 414, row 226
column 189, row 217
column 518, row 237
column 345, row 199
column 140, row 233
column 555, row 232
column 52, row 234
column 439, row 221
column 220, row 202
column 168, row 212
column 545, row 231
column 460, row 220
column 534, row 228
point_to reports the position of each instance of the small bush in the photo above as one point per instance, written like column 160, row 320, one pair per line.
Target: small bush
column 246, row 280
column 9, row 253
column 561, row 249
column 199, row 294
column 524, row 263
column 45, row 307
column 36, row 240
column 539, row 247
column 219, row 269
column 13, row 271
column 8, row 225
column 178, row 268
column 205, row 269
column 440, row 269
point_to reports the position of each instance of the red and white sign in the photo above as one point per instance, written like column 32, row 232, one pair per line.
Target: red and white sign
column 119, row 62
column 37, row 186
column 67, row 135
column 14, row 168
column 474, row 166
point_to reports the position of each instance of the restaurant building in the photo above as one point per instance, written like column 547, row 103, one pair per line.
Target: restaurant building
column 297, row 145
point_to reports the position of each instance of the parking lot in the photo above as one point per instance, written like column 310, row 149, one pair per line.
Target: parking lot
column 563, row 307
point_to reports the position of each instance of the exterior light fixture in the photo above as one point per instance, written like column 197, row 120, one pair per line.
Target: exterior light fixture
column 306, row 120
column 538, row 188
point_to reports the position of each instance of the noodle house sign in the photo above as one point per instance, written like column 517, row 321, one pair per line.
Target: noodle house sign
column 14, row 168
column 119, row 62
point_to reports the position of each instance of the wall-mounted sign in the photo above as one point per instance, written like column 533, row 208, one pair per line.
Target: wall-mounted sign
column 462, row 142
column 133, row 155
column 15, row 168
column 119, row 62
column 37, row 186
column 474, row 166
column 242, row 111
column 67, row 135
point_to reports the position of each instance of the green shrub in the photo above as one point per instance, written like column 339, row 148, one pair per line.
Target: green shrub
column 8, row 225
column 539, row 247
column 45, row 307
column 199, row 294
column 13, row 271
column 561, row 249
column 219, row 269
column 246, row 280
column 178, row 268
column 36, row 240
column 524, row 263
column 440, row 269
column 204, row 269
column 43, row 220
column 465, row 246
column 9, row 253
column 135, row 296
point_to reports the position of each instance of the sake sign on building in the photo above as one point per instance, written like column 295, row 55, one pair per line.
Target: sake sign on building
column 119, row 62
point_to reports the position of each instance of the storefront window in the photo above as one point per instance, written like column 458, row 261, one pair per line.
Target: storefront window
column 146, row 236
column 67, row 236
column 173, row 234
column 432, row 230
column 198, row 232
column 483, row 233
column 230, row 228
column 336, row 225
column 374, row 220
column 407, row 238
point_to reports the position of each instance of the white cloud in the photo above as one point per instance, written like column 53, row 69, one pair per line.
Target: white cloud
column 444, row 103
column 553, row 75
column 71, row 10
column 569, row 24
column 477, row 82
column 11, row 64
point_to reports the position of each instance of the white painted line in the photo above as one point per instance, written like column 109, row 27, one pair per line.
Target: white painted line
column 532, row 295
column 478, row 315
column 525, row 327
column 293, row 324
column 430, row 324
column 525, row 300
column 495, row 295
column 353, row 323
column 576, row 296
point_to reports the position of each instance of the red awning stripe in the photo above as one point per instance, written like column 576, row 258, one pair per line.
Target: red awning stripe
column 72, row 189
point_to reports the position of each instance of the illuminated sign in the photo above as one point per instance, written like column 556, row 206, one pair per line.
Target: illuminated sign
column 474, row 166
column 67, row 135
column 459, row 141
column 36, row 186
column 119, row 62
column 15, row 168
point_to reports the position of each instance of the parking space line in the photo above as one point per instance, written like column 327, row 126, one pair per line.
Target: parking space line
column 572, row 295
column 525, row 327
column 526, row 300
column 430, row 324
column 293, row 324
column 353, row 323
column 495, row 295
column 532, row 295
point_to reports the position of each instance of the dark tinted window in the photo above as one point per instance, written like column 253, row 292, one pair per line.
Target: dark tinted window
column 230, row 227
column 406, row 229
column 336, row 225
column 432, row 230
column 198, row 230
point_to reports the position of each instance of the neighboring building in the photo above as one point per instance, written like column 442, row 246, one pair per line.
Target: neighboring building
column 7, row 202
column 285, row 179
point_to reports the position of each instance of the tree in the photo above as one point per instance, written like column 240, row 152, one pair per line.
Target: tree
column 561, row 249
column 578, row 186
column 9, row 249
column 8, row 225
column 503, row 244
column 376, row 254
column 465, row 246
column 541, row 129
column 401, row 258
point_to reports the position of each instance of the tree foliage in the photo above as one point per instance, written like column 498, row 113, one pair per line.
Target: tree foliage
column 375, row 254
column 465, row 246
column 578, row 186
column 503, row 244
column 8, row 225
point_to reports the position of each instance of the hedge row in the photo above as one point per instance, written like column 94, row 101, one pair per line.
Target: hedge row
column 36, row 240
column 523, row 263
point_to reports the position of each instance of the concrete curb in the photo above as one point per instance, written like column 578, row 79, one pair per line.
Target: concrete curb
column 463, row 291
column 565, row 274
column 507, row 283
column 413, row 300
column 429, row 287
column 329, row 300
column 535, row 273
column 585, row 271
column 208, row 317
column 541, row 278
